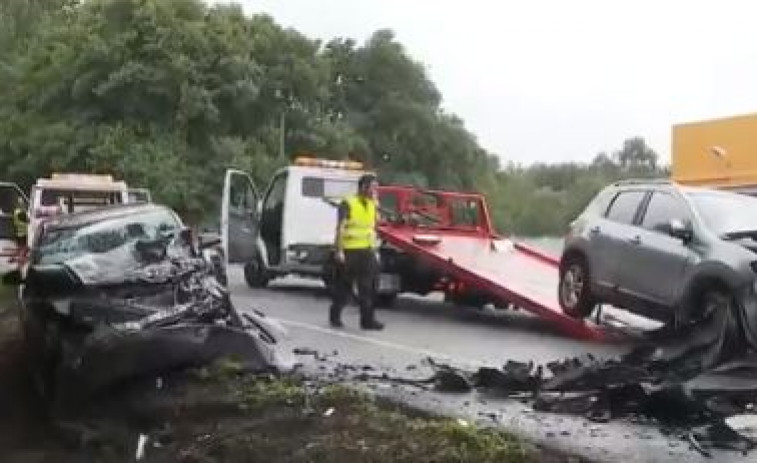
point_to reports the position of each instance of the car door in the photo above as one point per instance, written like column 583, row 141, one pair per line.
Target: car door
column 239, row 217
column 654, row 261
column 608, row 235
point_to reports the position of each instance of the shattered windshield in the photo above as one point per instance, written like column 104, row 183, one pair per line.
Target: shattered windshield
column 64, row 244
column 726, row 213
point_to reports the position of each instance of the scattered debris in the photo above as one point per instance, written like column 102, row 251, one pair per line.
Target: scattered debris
column 305, row 351
column 693, row 380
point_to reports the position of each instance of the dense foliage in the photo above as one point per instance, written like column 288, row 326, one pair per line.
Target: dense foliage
column 169, row 93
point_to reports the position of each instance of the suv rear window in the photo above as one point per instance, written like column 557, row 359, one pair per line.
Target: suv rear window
column 623, row 208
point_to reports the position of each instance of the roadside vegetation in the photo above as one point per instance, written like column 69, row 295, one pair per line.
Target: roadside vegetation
column 218, row 414
column 169, row 93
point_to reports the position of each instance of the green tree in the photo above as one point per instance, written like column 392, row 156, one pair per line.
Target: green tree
column 169, row 93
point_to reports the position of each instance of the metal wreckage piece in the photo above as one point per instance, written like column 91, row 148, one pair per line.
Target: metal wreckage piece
column 693, row 380
column 161, row 311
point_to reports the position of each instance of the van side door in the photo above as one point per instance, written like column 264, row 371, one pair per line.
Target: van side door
column 240, row 217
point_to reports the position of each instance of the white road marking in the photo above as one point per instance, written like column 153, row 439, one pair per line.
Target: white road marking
column 382, row 343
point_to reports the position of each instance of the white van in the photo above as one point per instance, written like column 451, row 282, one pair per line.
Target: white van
column 290, row 229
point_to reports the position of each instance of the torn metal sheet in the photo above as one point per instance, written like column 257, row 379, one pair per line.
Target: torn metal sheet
column 693, row 379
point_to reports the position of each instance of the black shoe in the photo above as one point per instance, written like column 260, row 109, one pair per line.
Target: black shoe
column 374, row 325
column 336, row 323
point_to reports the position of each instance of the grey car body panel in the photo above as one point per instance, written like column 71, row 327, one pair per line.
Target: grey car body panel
column 649, row 271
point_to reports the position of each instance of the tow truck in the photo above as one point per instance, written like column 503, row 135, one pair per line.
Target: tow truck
column 73, row 192
column 60, row 194
column 290, row 229
column 431, row 241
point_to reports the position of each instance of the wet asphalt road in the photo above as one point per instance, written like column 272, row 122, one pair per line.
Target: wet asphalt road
column 417, row 328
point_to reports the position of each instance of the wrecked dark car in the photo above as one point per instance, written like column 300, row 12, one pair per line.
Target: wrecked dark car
column 123, row 292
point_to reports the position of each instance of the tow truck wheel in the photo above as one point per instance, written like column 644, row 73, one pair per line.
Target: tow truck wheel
column 255, row 274
column 574, row 292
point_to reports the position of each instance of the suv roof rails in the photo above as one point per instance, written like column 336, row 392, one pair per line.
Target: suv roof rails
column 643, row 181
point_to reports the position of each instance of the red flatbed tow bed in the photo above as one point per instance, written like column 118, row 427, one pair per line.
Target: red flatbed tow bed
column 475, row 256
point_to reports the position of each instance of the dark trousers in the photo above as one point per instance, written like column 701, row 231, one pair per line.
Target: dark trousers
column 360, row 267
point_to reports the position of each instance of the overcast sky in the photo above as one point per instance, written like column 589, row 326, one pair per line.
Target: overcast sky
column 557, row 80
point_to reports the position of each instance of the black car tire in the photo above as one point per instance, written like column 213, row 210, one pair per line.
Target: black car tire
column 255, row 274
column 713, row 298
column 575, row 279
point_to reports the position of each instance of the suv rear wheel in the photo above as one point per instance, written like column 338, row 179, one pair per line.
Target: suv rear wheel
column 574, row 293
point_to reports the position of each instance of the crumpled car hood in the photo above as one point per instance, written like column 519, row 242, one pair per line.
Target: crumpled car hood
column 129, row 316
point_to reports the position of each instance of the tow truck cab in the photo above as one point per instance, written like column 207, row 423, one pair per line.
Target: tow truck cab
column 289, row 229
column 71, row 192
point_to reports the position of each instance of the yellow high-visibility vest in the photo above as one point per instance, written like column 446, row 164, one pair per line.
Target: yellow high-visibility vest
column 19, row 224
column 359, row 230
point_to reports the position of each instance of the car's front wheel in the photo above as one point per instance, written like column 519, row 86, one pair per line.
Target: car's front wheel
column 574, row 292
column 712, row 299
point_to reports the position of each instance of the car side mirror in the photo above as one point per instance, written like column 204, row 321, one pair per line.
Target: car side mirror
column 679, row 229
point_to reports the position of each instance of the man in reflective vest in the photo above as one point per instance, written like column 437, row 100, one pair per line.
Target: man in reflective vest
column 356, row 254
column 21, row 225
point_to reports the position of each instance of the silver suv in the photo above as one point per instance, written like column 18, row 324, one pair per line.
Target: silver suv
column 661, row 250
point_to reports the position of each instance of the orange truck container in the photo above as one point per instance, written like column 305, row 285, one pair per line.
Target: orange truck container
column 716, row 153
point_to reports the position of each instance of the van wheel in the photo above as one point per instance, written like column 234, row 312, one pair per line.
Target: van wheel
column 255, row 274
column 574, row 293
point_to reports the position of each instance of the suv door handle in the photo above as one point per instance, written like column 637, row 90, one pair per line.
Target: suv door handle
column 594, row 230
column 634, row 240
